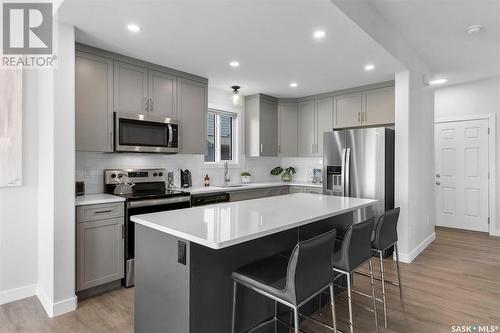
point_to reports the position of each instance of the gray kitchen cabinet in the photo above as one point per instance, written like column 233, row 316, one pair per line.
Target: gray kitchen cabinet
column 348, row 110
column 257, row 193
column 130, row 88
column 305, row 189
column 261, row 125
column 307, row 128
column 162, row 94
column 287, row 129
column 99, row 245
column 296, row 189
column 315, row 117
column 93, row 103
column 324, row 121
column 192, row 107
column 379, row 106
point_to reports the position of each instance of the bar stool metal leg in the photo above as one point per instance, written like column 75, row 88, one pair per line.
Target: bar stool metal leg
column 373, row 295
column 332, row 303
column 233, row 319
column 349, row 298
column 399, row 278
column 380, row 253
column 296, row 319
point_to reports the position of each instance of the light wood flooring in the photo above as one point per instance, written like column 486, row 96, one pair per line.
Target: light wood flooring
column 455, row 281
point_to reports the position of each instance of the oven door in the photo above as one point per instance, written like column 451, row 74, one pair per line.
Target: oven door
column 145, row 134
column 145, row 207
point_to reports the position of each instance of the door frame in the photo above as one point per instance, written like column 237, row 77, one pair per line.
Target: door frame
column 491, row 117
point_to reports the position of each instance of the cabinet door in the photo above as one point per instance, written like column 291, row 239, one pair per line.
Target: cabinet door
column 315, row 190
column 348, row 109
column 192, row 105
column 268, row 128
column 287, row 129
column 307, row 127
column 162, row 94
column 100, row 256
column 296, row 189
column 379, row 106
column 324, row 122
column 93, row 103
column 130, row 88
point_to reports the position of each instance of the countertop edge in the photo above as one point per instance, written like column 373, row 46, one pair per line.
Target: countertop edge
column 96, row 199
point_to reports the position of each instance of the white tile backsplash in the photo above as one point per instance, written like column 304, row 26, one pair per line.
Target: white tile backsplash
column 90, row 167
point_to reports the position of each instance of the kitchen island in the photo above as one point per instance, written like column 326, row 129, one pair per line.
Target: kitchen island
column 184, row 258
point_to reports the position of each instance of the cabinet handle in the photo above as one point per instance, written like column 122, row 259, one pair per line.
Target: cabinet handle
column 103, row 211
column 365, row 117
column 359, row 117
column 146, row 102
column 261, row 147
column 123, row 231
column 279, row 149
column 151, row 104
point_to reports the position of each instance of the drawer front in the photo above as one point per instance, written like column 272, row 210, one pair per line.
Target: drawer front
column 315, row 190
column 99, row 212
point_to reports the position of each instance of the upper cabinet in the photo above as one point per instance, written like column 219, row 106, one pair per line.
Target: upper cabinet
column 315, row 118
column 140, row 90
column 379, row 106
column 130, row 88
column 93, row 103
column 287, row 129
column 192, row 108
column 261, row 125
column 367, row 108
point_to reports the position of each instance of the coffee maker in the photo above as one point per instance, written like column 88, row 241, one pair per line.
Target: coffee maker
column 186, row 178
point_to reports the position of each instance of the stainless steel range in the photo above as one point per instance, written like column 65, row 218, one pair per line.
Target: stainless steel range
column 149, row 194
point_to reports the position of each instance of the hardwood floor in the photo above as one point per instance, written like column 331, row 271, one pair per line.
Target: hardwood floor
column 455, row 281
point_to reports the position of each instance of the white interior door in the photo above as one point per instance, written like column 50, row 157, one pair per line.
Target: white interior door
column 461, row 157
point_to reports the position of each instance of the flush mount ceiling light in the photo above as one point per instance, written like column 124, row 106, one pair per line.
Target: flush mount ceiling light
column 293, row 84
column 133, row 27
column 369, row 67
column 318, row 34
column 234, row 64
column 437, row 82
column 236, row 94
column 474, row 29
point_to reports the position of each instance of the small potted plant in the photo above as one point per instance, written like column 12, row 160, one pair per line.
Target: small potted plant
column 245, row 177
column 286, row 174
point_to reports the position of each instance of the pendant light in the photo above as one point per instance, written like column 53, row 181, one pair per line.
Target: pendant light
column 236, row 95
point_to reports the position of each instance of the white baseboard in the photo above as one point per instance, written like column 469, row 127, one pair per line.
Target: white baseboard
column 16, row 294
column 409, row 257
column 495, row 233
column 57, row 308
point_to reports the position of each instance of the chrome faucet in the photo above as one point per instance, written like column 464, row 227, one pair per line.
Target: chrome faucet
column 227, row 177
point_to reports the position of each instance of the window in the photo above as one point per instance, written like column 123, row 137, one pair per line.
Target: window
column 221, row 141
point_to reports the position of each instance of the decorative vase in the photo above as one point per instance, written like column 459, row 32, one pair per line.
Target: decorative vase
column 286, row 176
column 245, row 179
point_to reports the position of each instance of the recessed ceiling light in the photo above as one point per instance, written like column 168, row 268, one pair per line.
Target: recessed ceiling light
column 369, row 67
column 133, row 27
column 437, row 81
column 234, row 64
column 293, row 84
column 474, row 29
column 318, row 34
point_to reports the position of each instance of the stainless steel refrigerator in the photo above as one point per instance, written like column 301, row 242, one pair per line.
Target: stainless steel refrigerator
column 360, row 163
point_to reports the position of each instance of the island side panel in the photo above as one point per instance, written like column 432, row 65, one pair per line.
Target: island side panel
column 212, row 286
column 161, row 283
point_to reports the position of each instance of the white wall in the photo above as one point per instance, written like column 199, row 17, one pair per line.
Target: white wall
column 473, row 98
column 19, row 208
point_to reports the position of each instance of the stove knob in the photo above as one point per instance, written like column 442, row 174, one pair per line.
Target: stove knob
column 120, row 175
column 113, row 175
column 160, row 174
column 155, row 174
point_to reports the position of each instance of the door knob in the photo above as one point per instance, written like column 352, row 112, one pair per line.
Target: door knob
column 438, row 183
column 438, row 175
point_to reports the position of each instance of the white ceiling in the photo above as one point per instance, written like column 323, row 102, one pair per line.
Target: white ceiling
column 271, row 39
column 436, row 31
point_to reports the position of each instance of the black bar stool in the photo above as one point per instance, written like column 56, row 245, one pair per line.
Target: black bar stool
column 291, row 281
column 385, row 236
column 352, row 252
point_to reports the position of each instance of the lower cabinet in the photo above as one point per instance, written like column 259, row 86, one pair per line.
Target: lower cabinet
column 305, row 189
column 257, row 193
column 99, row 250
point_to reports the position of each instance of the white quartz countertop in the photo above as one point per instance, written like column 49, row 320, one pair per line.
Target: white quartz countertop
column 215, row 188
column 225, row 224
column 94, row 199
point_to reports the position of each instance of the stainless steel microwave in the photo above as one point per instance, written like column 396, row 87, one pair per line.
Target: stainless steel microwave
column 146, row 134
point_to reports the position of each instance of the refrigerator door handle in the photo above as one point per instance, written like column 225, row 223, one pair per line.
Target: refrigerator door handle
column 346, row 173
column 342, row 172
